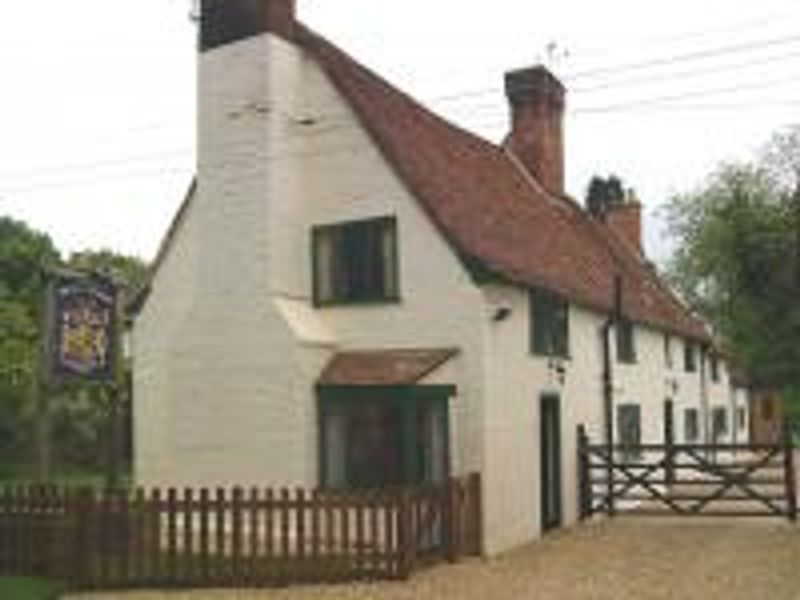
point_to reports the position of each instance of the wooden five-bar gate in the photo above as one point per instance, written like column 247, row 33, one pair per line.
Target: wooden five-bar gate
column 236, row 537
column 733, row 480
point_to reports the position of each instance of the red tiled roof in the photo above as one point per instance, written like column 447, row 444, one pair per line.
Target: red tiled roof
column 383, row 367
column 489, row 208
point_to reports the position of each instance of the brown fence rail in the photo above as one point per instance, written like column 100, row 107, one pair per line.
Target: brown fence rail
column 236, row 537
column 741, row 480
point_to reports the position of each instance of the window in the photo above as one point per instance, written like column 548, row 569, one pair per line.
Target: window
column 626, row 342
column 719, row 423
column 691, row 425
column 355, row 262
column 668, row 351
column 549, row 324
column 741, row 418
column 629, row 430
column 714, row 362
column 689, row 357
column 377, row 443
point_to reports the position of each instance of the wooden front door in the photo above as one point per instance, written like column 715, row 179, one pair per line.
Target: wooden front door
column 550, row 452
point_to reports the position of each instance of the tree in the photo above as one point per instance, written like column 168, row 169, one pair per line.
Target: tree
column 24, row 257
column 603, row 193
column 79, row 413
column 738, row 258
column 128, row 271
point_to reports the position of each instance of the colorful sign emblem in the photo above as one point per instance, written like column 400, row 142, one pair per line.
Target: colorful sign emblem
column 84, row 320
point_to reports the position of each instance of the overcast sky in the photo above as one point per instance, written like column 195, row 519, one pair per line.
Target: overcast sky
column 97, row 110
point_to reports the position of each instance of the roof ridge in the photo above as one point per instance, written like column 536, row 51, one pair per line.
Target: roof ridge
column 305, row 34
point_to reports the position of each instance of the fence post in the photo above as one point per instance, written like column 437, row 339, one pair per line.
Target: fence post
column 669, row 458
column 82, row 546
column 407, row 543
column 584, row 484
column 475, row 491
column 789, row 472
column 449, row 520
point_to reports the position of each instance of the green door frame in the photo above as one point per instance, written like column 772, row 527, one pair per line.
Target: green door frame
column 405, row 397
column 551, row 517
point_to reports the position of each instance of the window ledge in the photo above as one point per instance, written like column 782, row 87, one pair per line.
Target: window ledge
column 359, row 302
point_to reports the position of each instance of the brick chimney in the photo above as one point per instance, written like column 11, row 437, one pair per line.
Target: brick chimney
column 226, row 21
column 625, row 219
column 537, row 107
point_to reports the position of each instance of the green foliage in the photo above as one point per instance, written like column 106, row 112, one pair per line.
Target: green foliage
column 738, row 254
column 24, row 254
column 78, row 411
column 129, row 271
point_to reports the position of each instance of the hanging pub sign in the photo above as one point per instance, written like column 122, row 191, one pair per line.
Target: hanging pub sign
column 82, row 337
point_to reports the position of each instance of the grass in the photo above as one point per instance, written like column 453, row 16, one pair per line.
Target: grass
column 26, row 588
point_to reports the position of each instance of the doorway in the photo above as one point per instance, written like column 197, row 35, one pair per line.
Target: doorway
column 550, row 453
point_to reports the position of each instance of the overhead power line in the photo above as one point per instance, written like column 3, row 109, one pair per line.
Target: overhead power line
column 687, row 56
column 622, row 68
column 687, row 74
column 704, row 34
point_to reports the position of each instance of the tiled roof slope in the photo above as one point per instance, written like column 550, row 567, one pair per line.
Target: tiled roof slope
column 490, row 210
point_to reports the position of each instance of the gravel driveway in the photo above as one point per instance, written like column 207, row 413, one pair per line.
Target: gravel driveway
column 621, row 560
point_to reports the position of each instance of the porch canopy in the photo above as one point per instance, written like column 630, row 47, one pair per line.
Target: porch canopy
column 379, row 425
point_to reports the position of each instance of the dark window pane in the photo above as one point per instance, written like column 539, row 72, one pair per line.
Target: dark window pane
column 689, row 357
column 626, row 344
column 370, row 444
column 668, row 351
column 741, row 417
column 355, row 262
column 549, row 317
column 691, row 425
column 719, row 423
column 714, row 369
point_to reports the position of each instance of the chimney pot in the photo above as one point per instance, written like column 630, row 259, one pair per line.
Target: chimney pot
column 537, row 100
column 226, row 21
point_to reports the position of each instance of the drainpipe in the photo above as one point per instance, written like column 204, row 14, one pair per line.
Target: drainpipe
column 734, row 414
column 704, row 395
column 608, row 388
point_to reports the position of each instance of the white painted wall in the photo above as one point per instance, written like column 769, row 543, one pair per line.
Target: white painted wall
column 228, row 347
column 218, row 371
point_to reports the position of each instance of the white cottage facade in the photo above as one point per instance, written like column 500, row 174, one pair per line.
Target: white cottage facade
column 325, row 312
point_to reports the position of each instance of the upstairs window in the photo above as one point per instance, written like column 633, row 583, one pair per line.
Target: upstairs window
column 355, row 262
column 668, row 361
column 549, row 315
column 719, row 423
column 714, row 362
column 689, row 357
column 741, row 418
column 626, row 341
column 691, row 425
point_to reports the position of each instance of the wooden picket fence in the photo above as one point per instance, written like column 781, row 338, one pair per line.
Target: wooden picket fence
column 234, row 537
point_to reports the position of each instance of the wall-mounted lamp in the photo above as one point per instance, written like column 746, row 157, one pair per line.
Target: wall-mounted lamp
column 501, row 314
column 558, row 368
